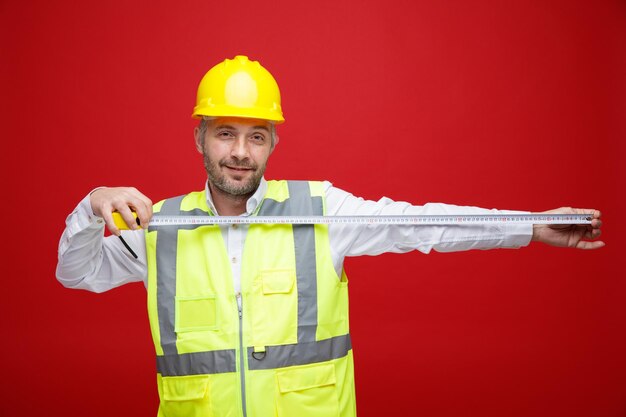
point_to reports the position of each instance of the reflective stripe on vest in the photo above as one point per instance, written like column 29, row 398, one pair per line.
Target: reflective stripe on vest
column 211, row 362
column 301, row 353
column 219, row 361
column 301, row 203
column 166, row 248
column 306, row 351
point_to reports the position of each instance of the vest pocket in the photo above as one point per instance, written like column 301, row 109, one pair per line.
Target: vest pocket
column 278, row 281
column 307, row 391
column 195, row 313
column 185, row 396
column 274, row 306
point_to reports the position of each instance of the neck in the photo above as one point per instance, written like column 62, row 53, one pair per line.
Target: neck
column 228, row 204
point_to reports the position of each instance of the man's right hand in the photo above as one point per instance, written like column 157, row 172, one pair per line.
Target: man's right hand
column 124, row 200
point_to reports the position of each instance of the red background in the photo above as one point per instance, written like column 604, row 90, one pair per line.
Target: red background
column 516, row 105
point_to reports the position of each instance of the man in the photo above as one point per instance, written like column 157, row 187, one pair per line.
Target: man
column 253, row 320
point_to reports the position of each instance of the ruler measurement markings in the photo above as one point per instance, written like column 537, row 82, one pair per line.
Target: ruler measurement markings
column 387, row 219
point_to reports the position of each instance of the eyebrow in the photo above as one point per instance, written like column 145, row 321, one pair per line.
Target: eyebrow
column 233, row 128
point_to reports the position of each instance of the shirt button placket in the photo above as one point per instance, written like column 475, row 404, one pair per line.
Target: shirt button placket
column 234, row 252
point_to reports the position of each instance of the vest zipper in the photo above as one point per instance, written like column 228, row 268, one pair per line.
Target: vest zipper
column 241, row 357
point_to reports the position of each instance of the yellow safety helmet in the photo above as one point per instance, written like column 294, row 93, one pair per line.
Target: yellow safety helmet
column 239, row 87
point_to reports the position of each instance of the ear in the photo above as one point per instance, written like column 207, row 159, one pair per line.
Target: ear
column 199, row 140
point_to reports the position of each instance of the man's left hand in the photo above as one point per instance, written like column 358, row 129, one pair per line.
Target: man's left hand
column 579, row 236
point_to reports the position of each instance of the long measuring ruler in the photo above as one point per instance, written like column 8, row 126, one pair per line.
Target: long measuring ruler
column 409, row 220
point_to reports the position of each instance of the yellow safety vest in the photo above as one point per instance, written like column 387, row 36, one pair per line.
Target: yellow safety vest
column 287, row 353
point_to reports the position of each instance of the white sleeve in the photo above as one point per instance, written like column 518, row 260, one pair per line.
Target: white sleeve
column 89, row 261
column 356, row 240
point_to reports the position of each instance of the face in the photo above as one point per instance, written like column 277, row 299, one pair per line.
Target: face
column 235, row 153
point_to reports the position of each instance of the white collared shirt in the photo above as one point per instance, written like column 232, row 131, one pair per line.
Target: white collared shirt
column 88, row 260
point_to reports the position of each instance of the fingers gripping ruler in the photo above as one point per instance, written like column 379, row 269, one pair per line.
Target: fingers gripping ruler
column 408, row 220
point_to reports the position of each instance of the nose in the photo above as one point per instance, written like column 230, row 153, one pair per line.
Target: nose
column 239, row 149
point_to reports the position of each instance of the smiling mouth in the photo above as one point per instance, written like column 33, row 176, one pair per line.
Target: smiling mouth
column 238, row 168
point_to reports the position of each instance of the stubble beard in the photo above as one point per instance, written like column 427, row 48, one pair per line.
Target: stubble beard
column 219, row 180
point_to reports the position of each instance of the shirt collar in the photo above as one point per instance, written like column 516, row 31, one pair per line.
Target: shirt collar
column 251, row 205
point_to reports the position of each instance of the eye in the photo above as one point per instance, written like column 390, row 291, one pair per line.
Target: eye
column 224, row 134
column 257, row 137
